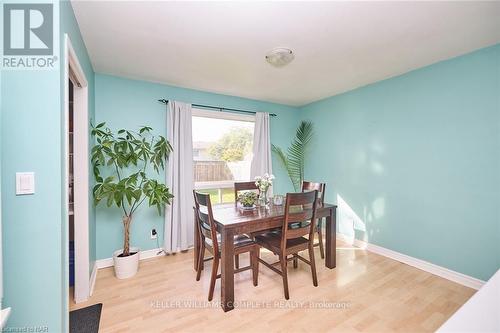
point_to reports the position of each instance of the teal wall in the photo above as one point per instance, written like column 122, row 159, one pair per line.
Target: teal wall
column 31, row 141
column 34, row 227
column 416, row 162
column 32, row 224
column 124, row 103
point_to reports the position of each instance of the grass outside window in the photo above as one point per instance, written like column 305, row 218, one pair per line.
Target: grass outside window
column 227, row 195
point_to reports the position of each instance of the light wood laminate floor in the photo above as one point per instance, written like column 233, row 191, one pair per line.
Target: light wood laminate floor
column 366, row 292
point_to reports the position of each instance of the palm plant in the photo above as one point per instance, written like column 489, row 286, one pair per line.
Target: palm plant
column 127, row 155
column 294, row 158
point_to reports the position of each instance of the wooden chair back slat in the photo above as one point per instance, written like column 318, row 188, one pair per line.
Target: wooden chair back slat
column 206, row 233
column 202, row 199
column 298, row 231
column 205, row 218
column 298, row 199
column 203, row 215
column 304, row 214
column 243, row 186
column 300, row 210
column 311, row 186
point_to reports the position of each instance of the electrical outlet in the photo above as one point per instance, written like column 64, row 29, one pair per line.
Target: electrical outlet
column 153, row 234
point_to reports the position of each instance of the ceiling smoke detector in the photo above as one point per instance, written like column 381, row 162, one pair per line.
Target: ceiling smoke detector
column 280, row 57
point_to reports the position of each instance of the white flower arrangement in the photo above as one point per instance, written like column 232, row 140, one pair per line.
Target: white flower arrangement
column 264, row 182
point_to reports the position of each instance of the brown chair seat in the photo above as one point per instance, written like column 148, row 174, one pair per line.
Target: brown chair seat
column 239, row 241
column 272, row 241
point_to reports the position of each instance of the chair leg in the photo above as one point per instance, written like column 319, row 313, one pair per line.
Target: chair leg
column 295, row 261
column 254, row 261
column 320, row 239
column 213, row 277
column 313, row 264
column 284, row 276
column 201, row 254
column 237, row 261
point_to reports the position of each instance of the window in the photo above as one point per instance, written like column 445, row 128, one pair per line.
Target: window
column 222, row 152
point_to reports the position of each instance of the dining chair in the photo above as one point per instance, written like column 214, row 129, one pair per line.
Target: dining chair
column 320, row 187
column 300, row 213
column 238, row 187
column 243, row 186
column 210, row 240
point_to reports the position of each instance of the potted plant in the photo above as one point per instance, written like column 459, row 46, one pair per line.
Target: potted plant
column 295, row 157
column 125, row 158
column 247, row 199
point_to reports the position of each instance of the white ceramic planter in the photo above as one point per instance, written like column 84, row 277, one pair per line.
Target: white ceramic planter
column 126, row 267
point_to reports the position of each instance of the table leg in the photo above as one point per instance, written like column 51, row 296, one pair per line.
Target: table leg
column 227, row 270
column 196, row 243
column 331, row 239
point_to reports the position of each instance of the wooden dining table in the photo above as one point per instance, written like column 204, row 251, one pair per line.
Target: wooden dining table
column 232, row 220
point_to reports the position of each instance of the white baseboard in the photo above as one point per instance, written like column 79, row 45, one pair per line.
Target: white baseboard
column 93, row 278
column 147, row 254
column 103, row 263
column 446, row 273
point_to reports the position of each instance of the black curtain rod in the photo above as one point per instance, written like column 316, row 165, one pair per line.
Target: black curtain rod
column 164, row 101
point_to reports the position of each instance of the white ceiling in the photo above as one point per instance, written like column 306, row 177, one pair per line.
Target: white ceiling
column 220, row 46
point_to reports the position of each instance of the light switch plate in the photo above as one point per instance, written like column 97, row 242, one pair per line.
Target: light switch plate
column 25, row 183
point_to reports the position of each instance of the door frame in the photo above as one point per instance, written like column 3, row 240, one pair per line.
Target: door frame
column 80, row 168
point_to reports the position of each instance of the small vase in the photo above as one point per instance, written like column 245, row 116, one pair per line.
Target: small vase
column 263, row 198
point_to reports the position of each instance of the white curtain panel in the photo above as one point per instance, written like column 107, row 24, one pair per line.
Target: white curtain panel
column 261, row 161
column 179, row 229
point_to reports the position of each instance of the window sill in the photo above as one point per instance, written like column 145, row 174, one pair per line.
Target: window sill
column 214, row 185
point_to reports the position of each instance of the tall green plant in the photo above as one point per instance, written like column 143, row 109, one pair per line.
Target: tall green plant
column 294, row 158
column 127, row 155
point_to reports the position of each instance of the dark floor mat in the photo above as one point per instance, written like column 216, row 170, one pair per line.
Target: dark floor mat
column 85, row 320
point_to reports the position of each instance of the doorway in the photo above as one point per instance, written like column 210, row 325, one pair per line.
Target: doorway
column 76, row 176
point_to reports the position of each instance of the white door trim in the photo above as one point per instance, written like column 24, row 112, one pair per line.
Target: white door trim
column 80, row 168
